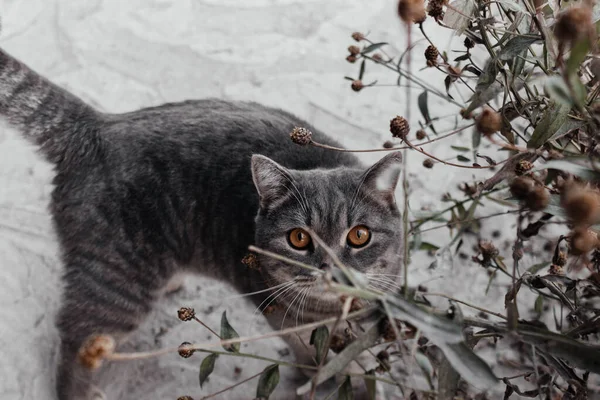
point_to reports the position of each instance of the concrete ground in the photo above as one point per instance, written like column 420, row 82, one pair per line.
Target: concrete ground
column 121, row 56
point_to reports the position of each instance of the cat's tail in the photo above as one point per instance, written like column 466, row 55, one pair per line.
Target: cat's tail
column 63, row 126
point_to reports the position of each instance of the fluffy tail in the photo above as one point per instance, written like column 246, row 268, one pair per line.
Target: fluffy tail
column 62, row 125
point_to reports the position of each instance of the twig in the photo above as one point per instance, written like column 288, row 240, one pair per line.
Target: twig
column 231, row 387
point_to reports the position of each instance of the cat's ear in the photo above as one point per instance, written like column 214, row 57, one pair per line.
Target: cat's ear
column 382, row 177
column 271, row 180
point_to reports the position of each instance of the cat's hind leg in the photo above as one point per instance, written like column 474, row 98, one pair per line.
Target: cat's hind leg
column 102, row 296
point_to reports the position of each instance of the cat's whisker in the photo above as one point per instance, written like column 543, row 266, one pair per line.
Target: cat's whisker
column 238, row 296
column 304, row 304
column 386, row 282
column 303, row 296
column 288, row 285
column 289, row 307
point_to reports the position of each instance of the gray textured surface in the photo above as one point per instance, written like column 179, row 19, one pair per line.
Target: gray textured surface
column 121, row 56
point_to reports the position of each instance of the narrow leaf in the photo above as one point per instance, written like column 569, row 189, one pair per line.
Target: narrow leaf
column 227, row 332
column 371, row 385
column 422, row 102
column 319, row 338
column 516, row 46
column 572, row 166
column 345, row 392
column 472, row 368
column 268, row 381
column 373, row 47
column 362, row 69
column 459, row 148
column 339, row 362
column 558, row 90
column 554, row 117
column 206, row 367
column 578, row 53
column 462, row 158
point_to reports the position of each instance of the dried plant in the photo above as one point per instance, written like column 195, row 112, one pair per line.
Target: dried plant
column 535, row 97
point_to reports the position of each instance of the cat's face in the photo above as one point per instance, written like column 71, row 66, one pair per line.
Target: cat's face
column 353, row 211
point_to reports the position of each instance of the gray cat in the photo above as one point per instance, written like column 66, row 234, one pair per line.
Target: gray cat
column 176, row 188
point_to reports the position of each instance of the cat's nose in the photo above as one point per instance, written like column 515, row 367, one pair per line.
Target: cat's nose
column 325, row 267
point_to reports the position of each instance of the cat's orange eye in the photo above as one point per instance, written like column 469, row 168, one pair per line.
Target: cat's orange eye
column 299, row 239
column 359, row 236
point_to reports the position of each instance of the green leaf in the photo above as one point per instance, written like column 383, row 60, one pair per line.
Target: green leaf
column 227, row 332
column 341, row 360
column 459, row 148
column 558, row 90
column 462, row 158
column 459, row 16
column 539, row 304
column 268, row 381
column 554, row 117
column 371, row 385
column 425, row 365
column 206, row 367
column 469, row 365
column 345, row 392
column 319, row 338
column 373, row 47
column 422, row 102
column 362, row 69
column 578, row 53
column 572, row 166
column 516, row 46
column 534, row 269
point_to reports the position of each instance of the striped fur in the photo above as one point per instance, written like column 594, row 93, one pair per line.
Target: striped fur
column 141, row 196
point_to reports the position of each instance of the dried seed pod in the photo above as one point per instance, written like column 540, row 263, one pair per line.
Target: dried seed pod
column 377, row 57
column 184, row 350
column 301, row 136
column 357, row 85
column 421, row 134
column 538, row 199
column 469, row 43
column 431, row 54
column 573, row 24
column 351, row 59
column 353, row 50
column 560, row 259
column 399, row 127
column 582, row 205
column 488, row 250
column 583, row 241
column 388, row 145
column 523, row 167
column 186, row 313
column 488, row 122
column 411, row 10
column 95, row 349
column 358, row 36
column 435, row 9
column 428, row 163
column 251, row 261
column 521, row 187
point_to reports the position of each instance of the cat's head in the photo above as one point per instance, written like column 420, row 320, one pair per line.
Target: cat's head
column 353, row 211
